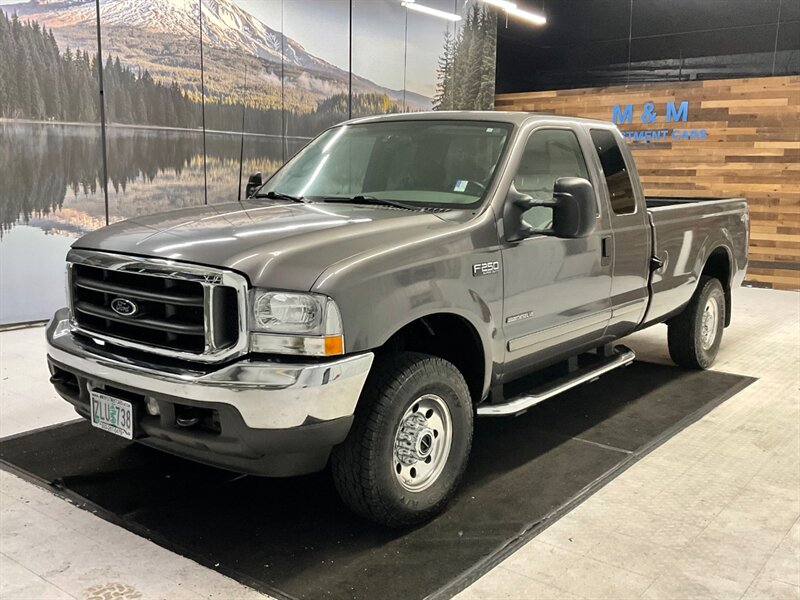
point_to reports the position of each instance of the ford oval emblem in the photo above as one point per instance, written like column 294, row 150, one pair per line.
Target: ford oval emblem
column 124, row 307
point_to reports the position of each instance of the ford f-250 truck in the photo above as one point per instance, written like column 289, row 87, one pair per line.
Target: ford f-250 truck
column 394, row 279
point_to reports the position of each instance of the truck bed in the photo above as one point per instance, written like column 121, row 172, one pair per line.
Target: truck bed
column 685, row 232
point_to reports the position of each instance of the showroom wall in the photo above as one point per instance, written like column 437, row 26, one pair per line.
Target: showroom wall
column 706, row 92
column 739, row 138
column 590, row 43
column 176, row 102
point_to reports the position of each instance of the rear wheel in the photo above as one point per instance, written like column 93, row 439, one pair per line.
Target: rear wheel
column 695, row 335
column 410, row 441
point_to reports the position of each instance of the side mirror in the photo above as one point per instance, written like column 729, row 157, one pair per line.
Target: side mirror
column 574, row 209
column 253, row 183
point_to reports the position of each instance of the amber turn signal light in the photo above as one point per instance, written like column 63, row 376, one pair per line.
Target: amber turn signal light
column 334, row 345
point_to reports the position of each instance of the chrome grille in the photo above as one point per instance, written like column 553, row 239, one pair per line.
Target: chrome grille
column 170, row 308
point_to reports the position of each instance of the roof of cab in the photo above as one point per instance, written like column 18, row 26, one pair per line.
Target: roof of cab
column 513, row 117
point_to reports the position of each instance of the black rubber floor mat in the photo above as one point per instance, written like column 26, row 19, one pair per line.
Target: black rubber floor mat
column 294, row 538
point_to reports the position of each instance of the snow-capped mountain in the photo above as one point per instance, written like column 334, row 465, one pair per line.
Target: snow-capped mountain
column 225, row 25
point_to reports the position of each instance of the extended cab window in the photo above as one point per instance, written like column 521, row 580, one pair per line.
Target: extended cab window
column 430, row 163
column 618, row 181
column 549, row 155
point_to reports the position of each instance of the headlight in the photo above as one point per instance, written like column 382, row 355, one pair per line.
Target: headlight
column 294, row 323
column 288, row 313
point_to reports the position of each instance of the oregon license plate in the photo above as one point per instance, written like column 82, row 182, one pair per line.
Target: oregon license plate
column 112, row 414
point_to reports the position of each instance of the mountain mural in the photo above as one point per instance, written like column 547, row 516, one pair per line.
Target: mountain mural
column 157, row 156
column 161, row 36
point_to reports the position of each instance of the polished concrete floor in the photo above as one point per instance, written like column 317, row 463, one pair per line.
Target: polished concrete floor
column 713, row 513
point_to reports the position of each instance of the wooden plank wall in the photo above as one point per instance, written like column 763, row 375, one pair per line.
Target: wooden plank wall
column 752, row 150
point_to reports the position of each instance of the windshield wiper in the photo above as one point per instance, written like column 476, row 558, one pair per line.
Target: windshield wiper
column 273, row 195
column 362, row 199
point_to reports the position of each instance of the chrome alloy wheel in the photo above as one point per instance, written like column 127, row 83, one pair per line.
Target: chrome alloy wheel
column 422, row 443
column 709, row 323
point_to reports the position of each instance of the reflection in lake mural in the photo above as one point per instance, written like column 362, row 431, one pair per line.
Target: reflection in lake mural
column 280, row 71
column 51, row 193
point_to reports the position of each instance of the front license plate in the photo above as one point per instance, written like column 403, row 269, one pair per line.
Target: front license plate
column 112, row 414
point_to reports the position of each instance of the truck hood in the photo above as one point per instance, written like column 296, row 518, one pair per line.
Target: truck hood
column 274, row 244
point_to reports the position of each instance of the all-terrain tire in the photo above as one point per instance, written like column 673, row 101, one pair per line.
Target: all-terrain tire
column 694, row 336
column 405, row 389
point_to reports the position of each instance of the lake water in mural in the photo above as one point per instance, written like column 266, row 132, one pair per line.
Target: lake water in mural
column 51, row 193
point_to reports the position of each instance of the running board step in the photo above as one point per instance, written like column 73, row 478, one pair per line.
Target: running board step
column 622, row 357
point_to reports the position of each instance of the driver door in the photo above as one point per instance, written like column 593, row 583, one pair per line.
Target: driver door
column 557, row 291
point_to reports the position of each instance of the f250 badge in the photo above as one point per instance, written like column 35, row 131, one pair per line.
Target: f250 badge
column 486, row 268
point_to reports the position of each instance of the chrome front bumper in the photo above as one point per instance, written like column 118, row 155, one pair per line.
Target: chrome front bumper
column 268, row 395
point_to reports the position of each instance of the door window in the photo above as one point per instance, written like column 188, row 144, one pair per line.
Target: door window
column 549, row 155
column 618, row 181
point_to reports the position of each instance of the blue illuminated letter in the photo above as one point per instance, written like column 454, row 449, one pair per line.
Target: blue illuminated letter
column 622, row 116
column 679, row 114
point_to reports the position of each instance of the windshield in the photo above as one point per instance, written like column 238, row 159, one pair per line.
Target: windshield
column 430, row 163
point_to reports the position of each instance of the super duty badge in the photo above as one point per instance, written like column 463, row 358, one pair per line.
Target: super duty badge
column 486, row 268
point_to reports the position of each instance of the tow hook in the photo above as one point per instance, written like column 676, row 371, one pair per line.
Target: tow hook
column 187, row 419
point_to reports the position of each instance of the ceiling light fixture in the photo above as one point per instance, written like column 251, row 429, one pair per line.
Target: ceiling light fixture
column 431, row 11
column 501, row 4
column 513, row 10
column 527, row 16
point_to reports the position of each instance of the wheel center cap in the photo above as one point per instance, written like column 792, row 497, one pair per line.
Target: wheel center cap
column 424, row 442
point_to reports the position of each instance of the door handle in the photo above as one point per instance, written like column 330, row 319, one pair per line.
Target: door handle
column 605, row 250
column 606, row 246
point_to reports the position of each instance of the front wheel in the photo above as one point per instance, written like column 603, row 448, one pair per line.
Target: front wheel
column 410, row 441
column 694, row 336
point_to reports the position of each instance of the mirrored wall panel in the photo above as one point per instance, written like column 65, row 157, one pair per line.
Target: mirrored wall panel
column 198, row 95
column 51, row 173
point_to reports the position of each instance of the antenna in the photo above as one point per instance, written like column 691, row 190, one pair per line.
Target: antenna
column 241, row 143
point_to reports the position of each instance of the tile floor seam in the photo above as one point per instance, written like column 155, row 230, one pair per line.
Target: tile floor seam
column 681, row 547
column 53, row 519
column 649, row 587
column 537, row 580
column 764, row 566
column 71, row 506
column 705, row 527
column 588, row 558
column 9, row 496
column 37, row 575
column 595, row 559
column 711, row 521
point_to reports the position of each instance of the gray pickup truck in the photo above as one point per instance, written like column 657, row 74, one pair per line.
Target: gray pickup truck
column 399, row 276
